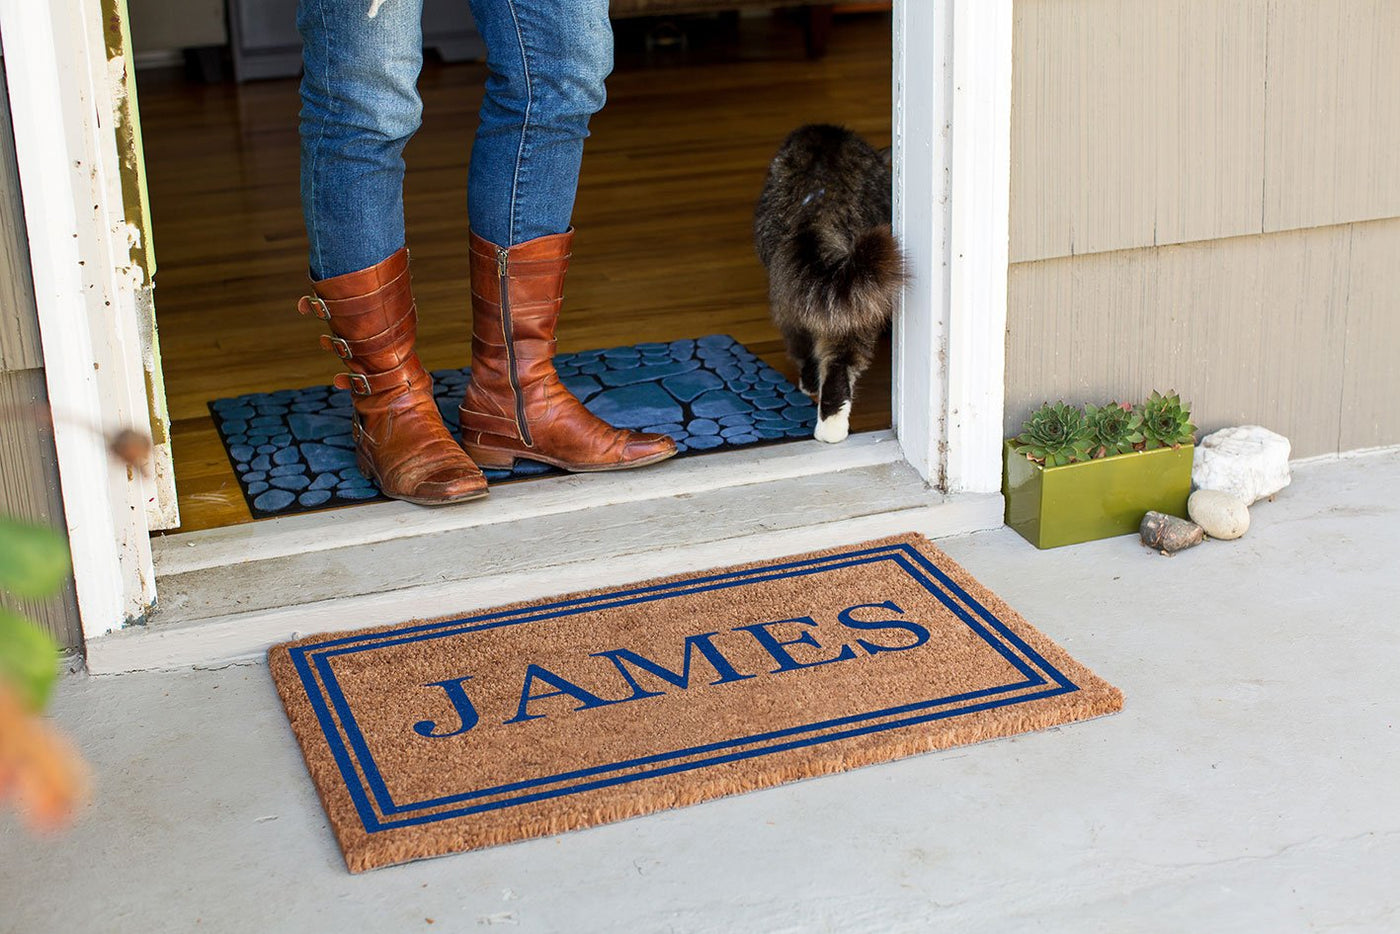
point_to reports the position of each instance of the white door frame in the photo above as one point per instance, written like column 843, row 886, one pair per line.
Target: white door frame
column 952, row 107
column 65, row 144
column 952, row 129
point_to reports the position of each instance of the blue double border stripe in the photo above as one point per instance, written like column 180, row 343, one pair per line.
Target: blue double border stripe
column 378, row 811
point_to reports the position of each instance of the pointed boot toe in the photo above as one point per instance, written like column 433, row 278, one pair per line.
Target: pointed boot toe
column 449, row 485
column 645, row 449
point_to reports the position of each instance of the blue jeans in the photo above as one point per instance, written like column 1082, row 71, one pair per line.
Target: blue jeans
column 548, row 60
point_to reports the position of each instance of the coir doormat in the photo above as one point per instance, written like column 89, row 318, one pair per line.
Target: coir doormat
column 433, row 737
column 292, row 449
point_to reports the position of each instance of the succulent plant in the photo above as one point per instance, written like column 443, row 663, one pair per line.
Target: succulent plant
column 1055, row 435
column 1166, row 423
column 1114, row 428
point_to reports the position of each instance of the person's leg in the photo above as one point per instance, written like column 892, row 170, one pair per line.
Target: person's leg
column 548, row 61
column 360, row 106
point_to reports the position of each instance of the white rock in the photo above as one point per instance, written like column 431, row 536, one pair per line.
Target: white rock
column 1248, row 462
column 1219, row 514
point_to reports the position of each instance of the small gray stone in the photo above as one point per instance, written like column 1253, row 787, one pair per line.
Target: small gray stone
column 1169, row 534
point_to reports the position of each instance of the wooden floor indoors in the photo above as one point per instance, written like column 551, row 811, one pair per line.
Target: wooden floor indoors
column 664, row 212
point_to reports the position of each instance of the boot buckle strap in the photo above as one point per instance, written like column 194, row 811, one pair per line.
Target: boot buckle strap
column 345, row 349
column 365, row 384
column 503, row 426
column 314, row 305
column 357, row 383
column 338, row 345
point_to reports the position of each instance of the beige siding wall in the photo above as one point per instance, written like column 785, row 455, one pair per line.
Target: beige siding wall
column 1297, row 331
column 1202, row 195
column 28, row 467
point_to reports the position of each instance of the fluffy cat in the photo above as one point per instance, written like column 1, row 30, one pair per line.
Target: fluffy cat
column 822, row 229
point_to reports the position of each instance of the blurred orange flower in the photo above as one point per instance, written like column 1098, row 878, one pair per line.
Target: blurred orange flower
column 39, row 768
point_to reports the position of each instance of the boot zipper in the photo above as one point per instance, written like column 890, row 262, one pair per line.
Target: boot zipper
column 502, row 256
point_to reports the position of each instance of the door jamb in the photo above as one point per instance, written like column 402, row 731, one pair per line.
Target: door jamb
column 952, row 157
column 65, row 147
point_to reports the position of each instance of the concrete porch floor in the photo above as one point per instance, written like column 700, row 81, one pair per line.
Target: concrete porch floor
column 1252, row 782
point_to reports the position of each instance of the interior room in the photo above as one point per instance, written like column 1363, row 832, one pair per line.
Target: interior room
column 697, row 105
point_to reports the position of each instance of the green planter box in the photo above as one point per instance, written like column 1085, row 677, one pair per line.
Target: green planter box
column 1093, row 499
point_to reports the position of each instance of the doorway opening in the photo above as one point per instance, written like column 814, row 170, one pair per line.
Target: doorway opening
column 697, row 107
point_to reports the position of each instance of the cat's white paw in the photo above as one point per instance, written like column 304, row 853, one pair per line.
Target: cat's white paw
column 835, row 428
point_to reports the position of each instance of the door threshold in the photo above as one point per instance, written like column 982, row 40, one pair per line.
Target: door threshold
column 227, row 594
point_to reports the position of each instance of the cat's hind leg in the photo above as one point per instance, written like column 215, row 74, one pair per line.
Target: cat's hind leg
column 842, row 362
column 802, row 351
column 834, row 396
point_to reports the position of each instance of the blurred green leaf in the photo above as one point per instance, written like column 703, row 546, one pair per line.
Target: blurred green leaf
column 28, row 660
column 33, row 559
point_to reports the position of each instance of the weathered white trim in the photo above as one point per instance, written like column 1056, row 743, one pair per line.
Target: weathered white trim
column 127, row 186
column 66, row 150
column 952, row 70
column 922, row 222
column 979, row 255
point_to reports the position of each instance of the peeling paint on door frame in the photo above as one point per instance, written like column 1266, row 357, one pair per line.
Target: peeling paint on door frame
column 162, row 511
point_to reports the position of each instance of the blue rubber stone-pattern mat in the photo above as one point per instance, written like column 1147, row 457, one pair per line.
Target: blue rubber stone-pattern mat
column 292, row 449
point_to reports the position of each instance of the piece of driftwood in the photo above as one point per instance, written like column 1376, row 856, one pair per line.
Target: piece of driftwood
column 1169, row 534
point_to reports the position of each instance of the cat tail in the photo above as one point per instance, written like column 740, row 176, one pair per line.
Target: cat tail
column 851, row 278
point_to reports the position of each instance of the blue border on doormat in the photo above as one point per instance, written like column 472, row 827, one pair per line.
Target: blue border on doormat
column 292, row 451
column 378, row 811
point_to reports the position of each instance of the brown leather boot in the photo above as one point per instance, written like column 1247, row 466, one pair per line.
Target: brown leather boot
column 400, row 441
column 515, row 405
